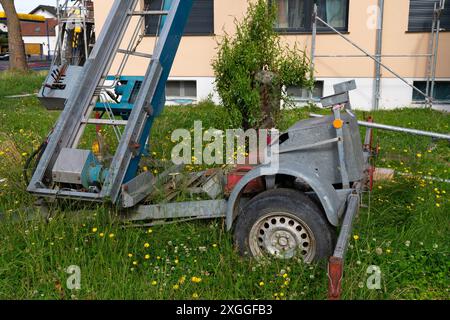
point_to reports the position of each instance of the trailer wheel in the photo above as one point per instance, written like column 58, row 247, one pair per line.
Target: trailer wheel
column 284, row 223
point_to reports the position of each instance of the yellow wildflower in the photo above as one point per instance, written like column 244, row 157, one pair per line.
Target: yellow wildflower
column 196, row 279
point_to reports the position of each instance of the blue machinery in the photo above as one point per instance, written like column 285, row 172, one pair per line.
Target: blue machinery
column 80, row 91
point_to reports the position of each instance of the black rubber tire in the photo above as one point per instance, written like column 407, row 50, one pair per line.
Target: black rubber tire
column 295, row 203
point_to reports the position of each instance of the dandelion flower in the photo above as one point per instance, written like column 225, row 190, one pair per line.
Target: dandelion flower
column 214, row 245
column 388, row 251
column 176, row 261
column 195, row 295
column 130, row 255
column 135, row 263
column 176, row 287
column 149, row 231
column 438, row 205
column 419, row 155
column 356, row 237
column 196, row 279
column 261, row 284
column 146, row 245
column 111, row 235
column 147, row 256
column 101, row 234
column 94, row 230
column 154, row 283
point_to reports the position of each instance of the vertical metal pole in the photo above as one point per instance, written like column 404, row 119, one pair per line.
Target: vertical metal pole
column 430, row 59
column 313, row 48
column 379, row 44
column 48, row 40
column 436, row 48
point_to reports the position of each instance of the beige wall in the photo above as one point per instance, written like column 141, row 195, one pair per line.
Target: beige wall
column 196, row 52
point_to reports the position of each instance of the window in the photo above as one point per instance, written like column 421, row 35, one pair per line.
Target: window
column 302, row 94
column 181, row 89
column 200, row 22
column 441, row 91
column 421, row 15
column 296, row 15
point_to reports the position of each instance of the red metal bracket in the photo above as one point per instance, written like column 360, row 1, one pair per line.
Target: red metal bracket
column 335, row 273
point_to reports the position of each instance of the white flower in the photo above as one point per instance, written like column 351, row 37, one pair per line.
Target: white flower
column 407, row 243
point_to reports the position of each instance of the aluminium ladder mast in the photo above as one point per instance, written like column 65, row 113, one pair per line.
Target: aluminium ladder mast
column 149, row 102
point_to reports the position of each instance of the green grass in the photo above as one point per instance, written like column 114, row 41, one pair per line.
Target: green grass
column 403, row 231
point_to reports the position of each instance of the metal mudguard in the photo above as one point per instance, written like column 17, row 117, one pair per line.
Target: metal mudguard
column 325, row 192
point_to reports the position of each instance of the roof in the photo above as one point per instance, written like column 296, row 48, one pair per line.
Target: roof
column 49, row 9
column 25, row 17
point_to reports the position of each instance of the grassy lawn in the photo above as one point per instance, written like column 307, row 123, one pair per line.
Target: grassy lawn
column 404, row 230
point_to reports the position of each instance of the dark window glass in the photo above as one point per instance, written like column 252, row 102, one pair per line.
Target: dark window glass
column 181, row 89
column 296, row 15
column 441, row 91
column 421, row 15
column 200, row 22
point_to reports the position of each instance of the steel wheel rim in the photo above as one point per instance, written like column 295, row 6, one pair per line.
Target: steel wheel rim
column 282, row 235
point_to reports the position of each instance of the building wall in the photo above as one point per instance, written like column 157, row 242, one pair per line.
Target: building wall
column 196, row 53
column 44, row 41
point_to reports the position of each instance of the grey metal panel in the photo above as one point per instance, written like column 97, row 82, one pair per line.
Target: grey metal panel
column 197, row 209
column 335, row 99
column 324, row 190
column 137, row 189
column 94, row 71
column 344, row 86
column 55, row 99
column 324, row 159
column 69, row 166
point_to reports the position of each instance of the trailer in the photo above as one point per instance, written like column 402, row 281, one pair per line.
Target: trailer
column 291, row 206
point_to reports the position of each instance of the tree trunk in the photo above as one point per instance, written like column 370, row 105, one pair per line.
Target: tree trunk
column 17, row 58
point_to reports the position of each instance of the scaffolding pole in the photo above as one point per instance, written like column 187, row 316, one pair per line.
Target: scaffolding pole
column 432, row 55
column 379, row 45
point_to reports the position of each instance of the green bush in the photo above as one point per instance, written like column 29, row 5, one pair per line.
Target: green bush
column 255, row 46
